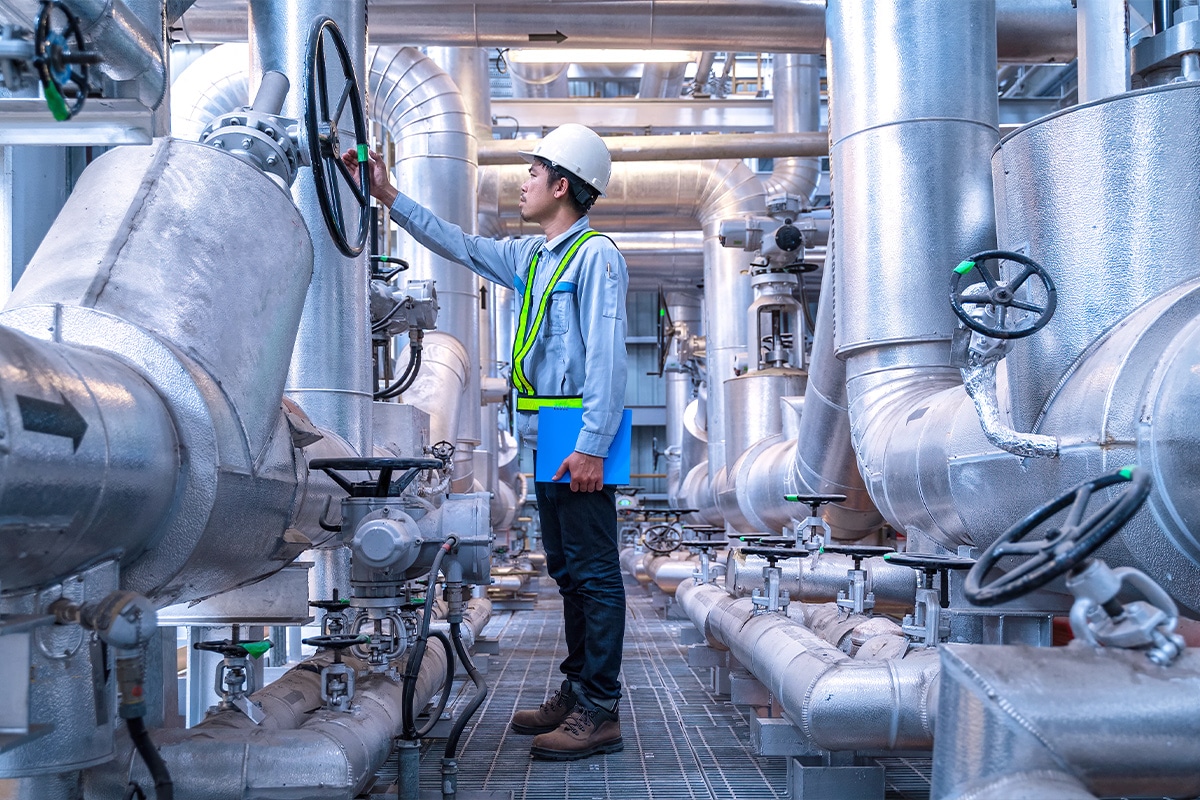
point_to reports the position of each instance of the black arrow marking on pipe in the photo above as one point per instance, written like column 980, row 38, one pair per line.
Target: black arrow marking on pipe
column 55, row 419
column 558, row 37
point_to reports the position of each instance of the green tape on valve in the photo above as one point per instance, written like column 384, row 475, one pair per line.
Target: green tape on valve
column 1127, row 472
column 792, row 498
column 58, row 106
column 257, row 649
column 362, row 153
column 964, row 267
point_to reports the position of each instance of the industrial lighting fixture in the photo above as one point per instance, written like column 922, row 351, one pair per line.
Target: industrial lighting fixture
column 557, row 55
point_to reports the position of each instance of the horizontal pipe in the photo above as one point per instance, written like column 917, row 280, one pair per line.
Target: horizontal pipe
column 1102, row 722
column 330, row 756
column 819, row 578
column 838, row 703
column 680, row 148
column 1028, row 31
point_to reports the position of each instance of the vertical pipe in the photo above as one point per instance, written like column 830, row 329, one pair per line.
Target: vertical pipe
column 684, row 311
column 661, row 81
column 330, row 375
column 912, row 130
column 796, row 101
column 1103, row 49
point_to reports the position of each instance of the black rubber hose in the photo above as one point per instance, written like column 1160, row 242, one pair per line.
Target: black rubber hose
column 476, row 701
column 409, row 714
column 163, row 788
column 405, row 381
column 413, row 668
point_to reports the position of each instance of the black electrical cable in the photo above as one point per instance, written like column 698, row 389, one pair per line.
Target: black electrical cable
column 386, row 318
column 408, row 713
column 405, row 381
column 413, row 668
column 163, row 788
column 476, row 701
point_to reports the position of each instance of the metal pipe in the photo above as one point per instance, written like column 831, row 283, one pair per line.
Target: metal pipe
column 218, row 359
column 661, row 80
column 796, row 101
column 214, row 84
column 538, row 80
column 440, row 391
column 1031, row 31
column 936, row 198
column 131, row 48
column 422, row 109
column 681, row 147
column 683, row 309
column 331, row 362
column 837, row 702
column 704, row 67
column 819, row 579
column 1103, row 50
column 1075, row 722
column 330, row 755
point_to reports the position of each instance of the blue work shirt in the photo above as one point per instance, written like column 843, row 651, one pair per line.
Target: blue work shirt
column 580, row 349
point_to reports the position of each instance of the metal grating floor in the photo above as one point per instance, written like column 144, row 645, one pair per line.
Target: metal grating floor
column 681, row 741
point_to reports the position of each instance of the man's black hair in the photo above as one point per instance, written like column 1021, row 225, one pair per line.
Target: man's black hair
column 581, row 194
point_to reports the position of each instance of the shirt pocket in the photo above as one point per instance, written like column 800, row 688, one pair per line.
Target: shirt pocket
column 559, row 313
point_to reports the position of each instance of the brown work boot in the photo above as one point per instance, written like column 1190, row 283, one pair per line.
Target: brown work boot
column 586, row 732
column 548, row 716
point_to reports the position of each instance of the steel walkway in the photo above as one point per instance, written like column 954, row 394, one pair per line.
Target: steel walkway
column 682, row 742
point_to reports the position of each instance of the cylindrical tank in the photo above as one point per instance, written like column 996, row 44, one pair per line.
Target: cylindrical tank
column 1095, row 194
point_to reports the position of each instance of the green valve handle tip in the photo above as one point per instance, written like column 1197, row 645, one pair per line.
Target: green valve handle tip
column 54, row 100
column 257, row 649
column 1127, row 472
column 362, row 153
column 964, row 267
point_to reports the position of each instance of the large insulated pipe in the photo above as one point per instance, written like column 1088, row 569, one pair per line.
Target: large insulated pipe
column 796, row 102
column 422, row 109
column 917, row 98
column 839, row 703
column 331, row 364
column 215, row 83
column 1031, row 31
column 130, row 47
column 1075, row 722
column 331, row 755
column 673, row 260
column 138, row 265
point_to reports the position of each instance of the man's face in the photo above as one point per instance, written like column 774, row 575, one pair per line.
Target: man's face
column 538, row 199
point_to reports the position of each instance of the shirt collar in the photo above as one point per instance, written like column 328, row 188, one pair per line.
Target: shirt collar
column 570, row 233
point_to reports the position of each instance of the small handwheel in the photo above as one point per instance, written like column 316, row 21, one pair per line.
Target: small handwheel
column 61, row 59
column 321, row 118
column 1064, row 546
column 662, row 538
column 337, row 641
column 1002, row 296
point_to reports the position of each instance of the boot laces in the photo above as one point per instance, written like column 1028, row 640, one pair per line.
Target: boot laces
column 581, row 719
column 556, row 701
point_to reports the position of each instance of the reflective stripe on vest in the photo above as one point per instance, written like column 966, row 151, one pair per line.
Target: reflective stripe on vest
column 527, row 332
column 534, row 402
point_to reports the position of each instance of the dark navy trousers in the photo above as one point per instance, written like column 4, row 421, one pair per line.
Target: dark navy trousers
column 579, row 533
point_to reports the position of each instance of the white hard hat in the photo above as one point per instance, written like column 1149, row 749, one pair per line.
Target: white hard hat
column 576, row 149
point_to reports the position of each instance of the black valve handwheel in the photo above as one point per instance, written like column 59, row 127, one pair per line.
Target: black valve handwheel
column 1002, row 295
column 383, row 487
column 337, row 641
column 322, row 117
column 231, row 649
column 704, row 544
column 662, row 538
column 773, row 554
column 61, row 59
column 1064, row 546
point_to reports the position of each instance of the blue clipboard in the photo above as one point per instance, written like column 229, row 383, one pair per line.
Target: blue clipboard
column 558, row 431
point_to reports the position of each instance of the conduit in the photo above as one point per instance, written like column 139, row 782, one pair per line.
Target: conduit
column 680, row 147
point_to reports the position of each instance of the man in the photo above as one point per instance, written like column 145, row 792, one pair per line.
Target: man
column 570, row 346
